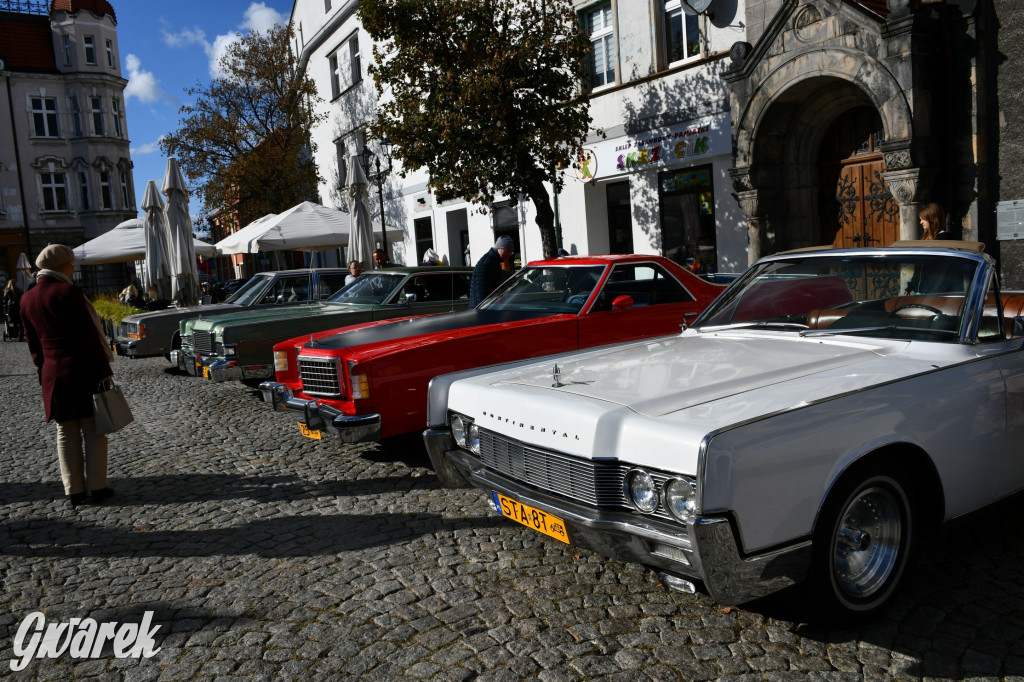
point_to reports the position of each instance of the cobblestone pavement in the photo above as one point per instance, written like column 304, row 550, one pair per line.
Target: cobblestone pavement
column 266, row 555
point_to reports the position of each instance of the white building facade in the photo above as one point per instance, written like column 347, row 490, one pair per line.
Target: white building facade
column 653, row 177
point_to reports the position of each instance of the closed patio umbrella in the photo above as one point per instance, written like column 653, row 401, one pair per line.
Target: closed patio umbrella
column 184, row 274
column 24, row 272
column 360, row 244
column 158, row 266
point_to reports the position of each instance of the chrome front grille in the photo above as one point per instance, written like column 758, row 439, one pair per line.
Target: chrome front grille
column 186, row 341
column 202, row 342
column 600, row 483
column 319, row 376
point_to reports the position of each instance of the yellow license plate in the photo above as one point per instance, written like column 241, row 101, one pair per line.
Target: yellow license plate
column 542, row 522
column 309, row 433
column 206, row 372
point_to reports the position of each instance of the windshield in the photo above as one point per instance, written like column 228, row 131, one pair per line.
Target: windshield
column 562, row 289
column 248, row 292
column 907, row 296
column 374, row 287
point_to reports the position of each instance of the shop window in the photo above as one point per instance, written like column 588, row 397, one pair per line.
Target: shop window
column 600, row 29
column 620, row 218
column 424, row 237
column 682, row 32
column 688, row 218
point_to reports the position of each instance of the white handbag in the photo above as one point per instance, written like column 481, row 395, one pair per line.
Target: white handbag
column 110, row 408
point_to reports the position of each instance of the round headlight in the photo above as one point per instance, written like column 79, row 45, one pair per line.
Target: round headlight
column 473, row 438
column 459, row 430
column 681, row 499
column 642, row 490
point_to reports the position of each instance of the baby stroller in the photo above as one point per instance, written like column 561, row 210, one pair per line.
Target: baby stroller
column 12, row 320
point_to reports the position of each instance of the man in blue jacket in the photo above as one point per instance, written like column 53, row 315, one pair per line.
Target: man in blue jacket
column 488, row 275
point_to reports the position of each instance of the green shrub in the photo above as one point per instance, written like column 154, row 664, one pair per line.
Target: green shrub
column 112, row 310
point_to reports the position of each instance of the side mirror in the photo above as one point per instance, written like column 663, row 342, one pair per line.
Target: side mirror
column 622, row 302
column 409, row 299
column 687, row 317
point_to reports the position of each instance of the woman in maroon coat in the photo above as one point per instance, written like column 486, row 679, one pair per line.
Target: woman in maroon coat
column 72, row 358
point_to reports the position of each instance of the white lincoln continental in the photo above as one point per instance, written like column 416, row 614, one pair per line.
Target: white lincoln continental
column 827, row 407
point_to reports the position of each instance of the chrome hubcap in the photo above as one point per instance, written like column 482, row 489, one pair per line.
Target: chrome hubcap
column 867, row 542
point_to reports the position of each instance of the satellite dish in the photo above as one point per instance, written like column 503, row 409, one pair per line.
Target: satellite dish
column 695, row 7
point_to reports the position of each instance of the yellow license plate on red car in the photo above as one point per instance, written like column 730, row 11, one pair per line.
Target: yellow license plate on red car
column 540, row 521
column 309, row 433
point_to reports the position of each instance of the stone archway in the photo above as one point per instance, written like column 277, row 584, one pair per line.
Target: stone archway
column 782, row 105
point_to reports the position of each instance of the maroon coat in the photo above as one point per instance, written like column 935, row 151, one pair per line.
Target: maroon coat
column 66, row 346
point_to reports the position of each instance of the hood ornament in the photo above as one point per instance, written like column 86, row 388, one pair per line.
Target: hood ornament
column 556, row 375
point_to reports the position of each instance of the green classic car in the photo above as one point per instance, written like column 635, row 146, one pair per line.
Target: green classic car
column 240, row 345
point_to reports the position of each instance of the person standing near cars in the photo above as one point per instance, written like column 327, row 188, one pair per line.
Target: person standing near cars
column 355, row 270
column 488, row 273
column 72, row 358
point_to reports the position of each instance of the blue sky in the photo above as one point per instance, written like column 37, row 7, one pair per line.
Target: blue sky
column 167, row 47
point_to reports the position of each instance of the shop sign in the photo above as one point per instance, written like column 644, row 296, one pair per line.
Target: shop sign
column 692, row 141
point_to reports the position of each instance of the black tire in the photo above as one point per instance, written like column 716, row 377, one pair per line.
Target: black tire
column 861, row 546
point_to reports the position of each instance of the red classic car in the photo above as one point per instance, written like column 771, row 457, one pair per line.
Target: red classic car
column 369, row 381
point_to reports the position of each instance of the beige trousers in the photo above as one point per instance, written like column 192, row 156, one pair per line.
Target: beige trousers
column 70, row 436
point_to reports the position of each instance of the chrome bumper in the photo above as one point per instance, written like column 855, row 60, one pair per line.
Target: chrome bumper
column 705, row 549
column 128, row 348
column 215, row 369
column 319, row 417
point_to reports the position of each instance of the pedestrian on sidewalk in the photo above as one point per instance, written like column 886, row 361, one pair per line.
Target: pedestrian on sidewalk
column 72, row 357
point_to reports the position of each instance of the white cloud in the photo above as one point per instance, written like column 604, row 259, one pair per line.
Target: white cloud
column 258, row 17
column 148, row 148
column 143, row 85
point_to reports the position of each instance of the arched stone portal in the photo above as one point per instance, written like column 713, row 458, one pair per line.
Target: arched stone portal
column 805, row 74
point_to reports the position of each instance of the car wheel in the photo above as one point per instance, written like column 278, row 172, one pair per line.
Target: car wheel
column 861, row 547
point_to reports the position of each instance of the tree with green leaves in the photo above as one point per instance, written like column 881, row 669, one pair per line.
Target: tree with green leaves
column 245, row 140
column 486, row 95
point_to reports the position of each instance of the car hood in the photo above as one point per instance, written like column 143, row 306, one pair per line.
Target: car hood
column 665, row 394
column 292, row 312
column 188, row 311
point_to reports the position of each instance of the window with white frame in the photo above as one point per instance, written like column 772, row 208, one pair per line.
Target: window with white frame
column 125, row 197
column 84, row 203
column 66, row 44
column 110, row 53
column 346, row 66
column 96, row 107
column 55, row 191
column 76, row 116
column 90, row 49
column 682, row 33
column 600, row 29
column 106, row 193
column 115, row 109
column 44, row 117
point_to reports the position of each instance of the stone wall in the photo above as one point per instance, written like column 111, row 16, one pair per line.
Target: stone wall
column 1008, row 144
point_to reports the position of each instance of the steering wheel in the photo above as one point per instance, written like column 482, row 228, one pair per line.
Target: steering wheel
column 922, row 306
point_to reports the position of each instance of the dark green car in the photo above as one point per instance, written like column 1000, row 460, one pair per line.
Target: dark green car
column 240, row 345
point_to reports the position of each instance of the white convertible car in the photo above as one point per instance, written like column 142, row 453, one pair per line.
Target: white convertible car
column 804, row 429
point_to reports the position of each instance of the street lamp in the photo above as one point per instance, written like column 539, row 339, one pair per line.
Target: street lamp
column 378, row 176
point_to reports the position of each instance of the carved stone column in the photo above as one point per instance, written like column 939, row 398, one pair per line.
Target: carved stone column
column 905, row 188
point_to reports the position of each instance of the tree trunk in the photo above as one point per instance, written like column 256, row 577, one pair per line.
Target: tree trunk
column 538, row 194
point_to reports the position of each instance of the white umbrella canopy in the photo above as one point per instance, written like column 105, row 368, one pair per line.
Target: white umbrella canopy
column 23, row 271
column 360, row 244
column 304, row 227
column 158, row 266
column 126, row 241
column 244, row 240
column 184, row 273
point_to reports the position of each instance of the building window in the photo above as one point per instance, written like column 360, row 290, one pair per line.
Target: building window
column 125, row 197
column 44, row 116
column 83, row 191
column 90, row 50
column 110, row 53
column 346, row 66
column 339, row 154
column 66, row 42
column 599, row 27
column 76, row 116
column 96, row 104
column 682, row 32
column 688, row 218
column 115, row 109
column 424, row 230
column 106, row 195
column 327, row 5
column 55, row 191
